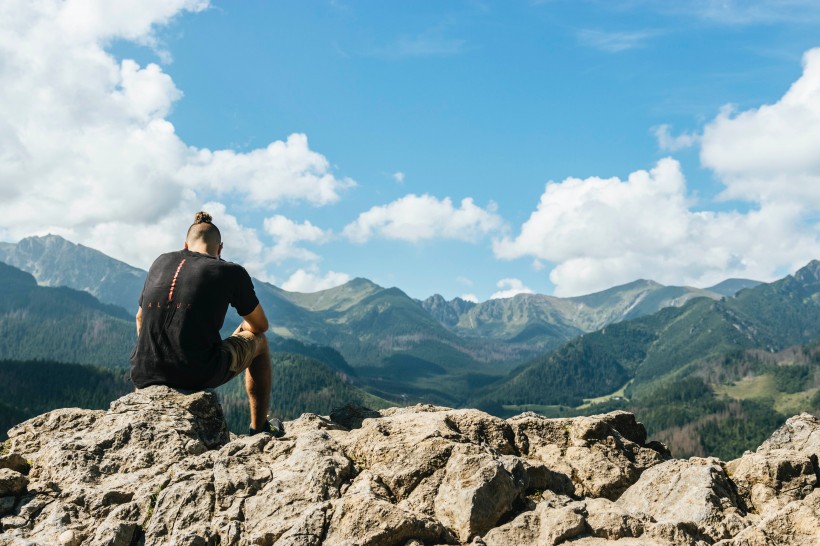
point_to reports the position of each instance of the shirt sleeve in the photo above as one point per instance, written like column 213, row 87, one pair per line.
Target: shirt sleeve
column 244, row 300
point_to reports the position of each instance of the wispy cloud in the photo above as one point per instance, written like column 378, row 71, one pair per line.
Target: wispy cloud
column 615, row 42
column 434, row 42
column 736, row 12
column 743, row 12
column 672, row 143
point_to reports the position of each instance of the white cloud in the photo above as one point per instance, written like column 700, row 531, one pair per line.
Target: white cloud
column 416, row 218
column 604, row 232
column 398, row 176
column 466, row 281
column 770, row 153
column 311, row 281
column 615, row 42
column 510, row 288
column 86, row 150
column 669, row 143
column 284, row 171
column 287, row 233
column 596, row 216
column 469, row 297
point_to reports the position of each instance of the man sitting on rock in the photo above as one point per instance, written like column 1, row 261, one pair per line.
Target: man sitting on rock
column 181, row 310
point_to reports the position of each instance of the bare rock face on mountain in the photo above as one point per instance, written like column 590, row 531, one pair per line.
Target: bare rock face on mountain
column 160, row 468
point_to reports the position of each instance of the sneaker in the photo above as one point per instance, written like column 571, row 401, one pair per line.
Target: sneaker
column 273, row 426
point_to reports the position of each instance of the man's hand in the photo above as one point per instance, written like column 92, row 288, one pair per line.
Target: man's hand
column 139, row 320
column 255, row 322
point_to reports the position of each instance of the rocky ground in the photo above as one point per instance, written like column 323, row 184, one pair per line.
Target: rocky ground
column 160, row 468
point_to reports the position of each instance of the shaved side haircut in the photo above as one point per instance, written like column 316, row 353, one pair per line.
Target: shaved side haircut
column 203, row 230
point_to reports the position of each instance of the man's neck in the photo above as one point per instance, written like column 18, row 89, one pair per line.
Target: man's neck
column 201, row 249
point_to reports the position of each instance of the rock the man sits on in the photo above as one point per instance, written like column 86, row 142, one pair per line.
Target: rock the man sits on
column 181, row 310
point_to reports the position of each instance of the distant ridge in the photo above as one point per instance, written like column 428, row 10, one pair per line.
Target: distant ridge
column 59, row 323
column 539, row 315
column 731, row 287
column 668, row 344
column 54, row 261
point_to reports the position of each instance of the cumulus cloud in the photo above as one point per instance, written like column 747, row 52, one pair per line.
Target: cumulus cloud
column 86, row 150
column 311, row 281
column 601, row 232
column 469, row 297
column 288, row 233
column 669, row 143
column 509, row 289
column 604, row 232
column 770, row 153
column 416, row 218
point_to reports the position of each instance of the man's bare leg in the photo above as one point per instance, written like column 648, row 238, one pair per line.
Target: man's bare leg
column 257, row 385
column 258, row 381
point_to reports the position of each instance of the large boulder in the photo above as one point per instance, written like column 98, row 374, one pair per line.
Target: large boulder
column 768, row 480
column 695, row 492
column 160, row 468
column 796, row 524
column 598, row 456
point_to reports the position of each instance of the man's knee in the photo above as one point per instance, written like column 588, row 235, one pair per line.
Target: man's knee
column 262, row 346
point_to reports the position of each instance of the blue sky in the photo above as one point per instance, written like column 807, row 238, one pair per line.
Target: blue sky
column 468, row 148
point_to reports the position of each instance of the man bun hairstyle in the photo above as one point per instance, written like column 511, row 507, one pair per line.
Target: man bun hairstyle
column 203, row 229
column 202, row 217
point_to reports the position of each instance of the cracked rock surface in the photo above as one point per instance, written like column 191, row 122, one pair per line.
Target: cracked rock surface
column 160, row 468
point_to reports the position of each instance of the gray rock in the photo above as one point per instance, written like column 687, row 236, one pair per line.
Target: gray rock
column 695, row 492
column 475, row 492
column 600, row 456
column 796, row 524
column 160, row 468
column 800, row 433
column 12, row 483
column 767, row 481
column 547, row 525
column 14, row 461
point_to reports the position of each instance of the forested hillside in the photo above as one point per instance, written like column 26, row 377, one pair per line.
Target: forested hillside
column 60, row 324
column 29, row 388
column 300, row 385
column 678, row 369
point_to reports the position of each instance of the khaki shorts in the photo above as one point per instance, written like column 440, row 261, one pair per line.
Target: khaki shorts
column 241, row 350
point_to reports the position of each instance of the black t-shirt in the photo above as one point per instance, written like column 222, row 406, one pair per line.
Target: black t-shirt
column 184, row 302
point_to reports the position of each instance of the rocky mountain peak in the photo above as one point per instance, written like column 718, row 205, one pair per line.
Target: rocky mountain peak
column 810, row 274
column 54, row 261
column 159, row 467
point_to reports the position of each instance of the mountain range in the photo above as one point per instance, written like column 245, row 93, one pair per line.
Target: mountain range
column 689, row 361
column 54, row 261
column 672, row 341
column 373, row 326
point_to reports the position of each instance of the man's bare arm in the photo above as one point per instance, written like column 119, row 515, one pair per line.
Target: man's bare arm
column 255, row 322
column 139, row 320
